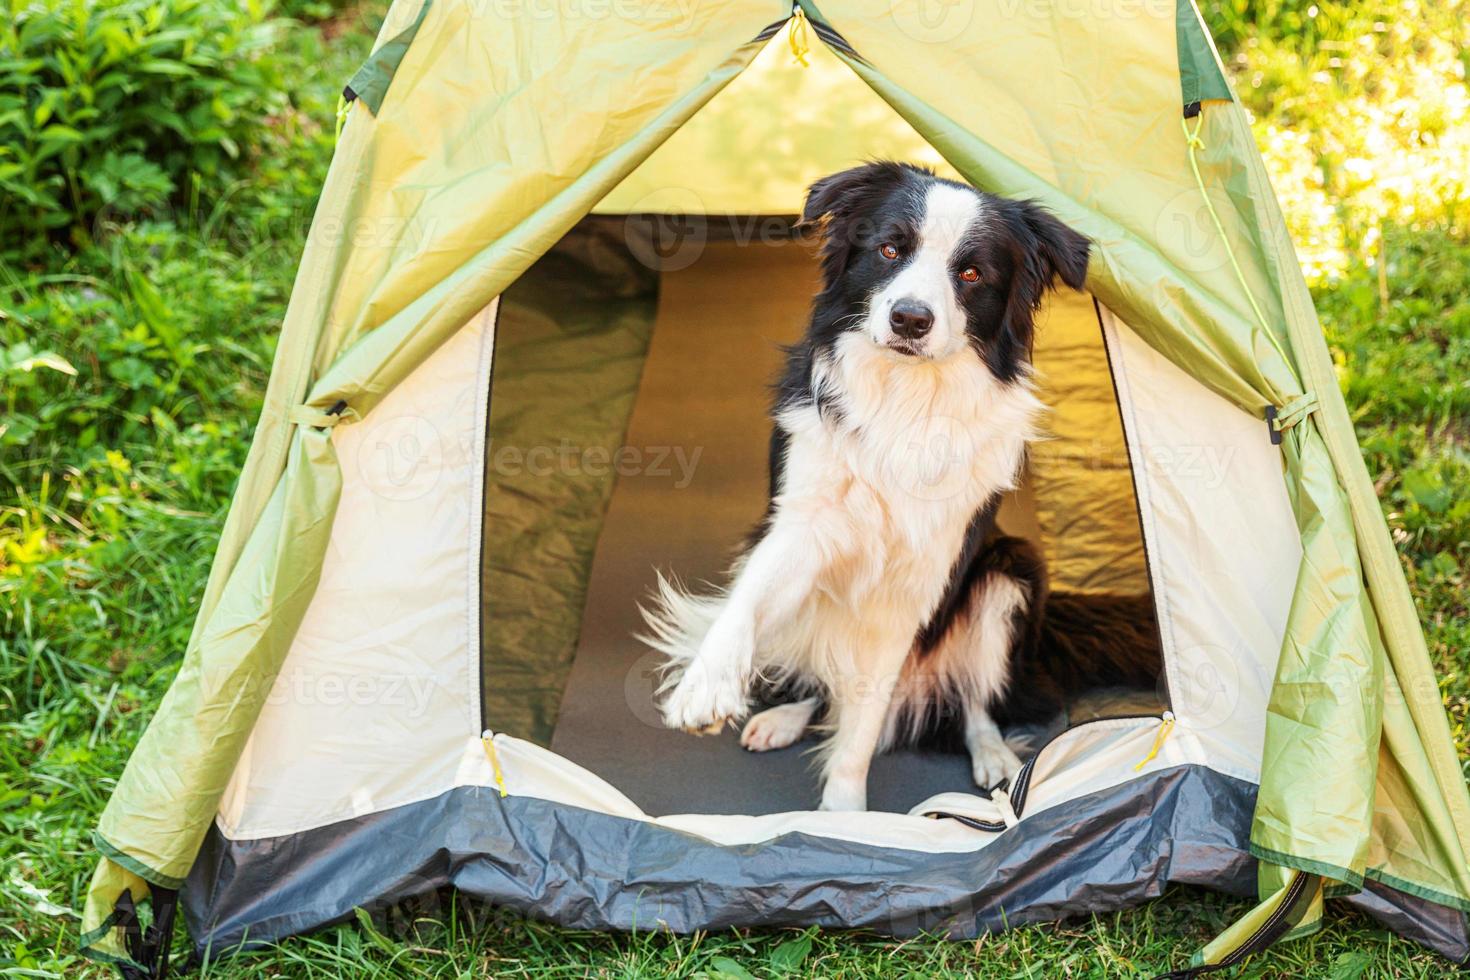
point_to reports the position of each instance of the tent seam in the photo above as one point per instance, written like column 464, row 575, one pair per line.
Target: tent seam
column 1355, row 880
column 130, row 863
column 474, row 606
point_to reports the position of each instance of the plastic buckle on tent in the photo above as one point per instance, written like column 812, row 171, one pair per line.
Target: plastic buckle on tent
column 159, row 935
column 149, row 948
column 1278, row 420
column 314, row 419
column 125, row 917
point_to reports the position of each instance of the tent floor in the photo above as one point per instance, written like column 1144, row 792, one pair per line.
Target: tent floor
column 715, row 342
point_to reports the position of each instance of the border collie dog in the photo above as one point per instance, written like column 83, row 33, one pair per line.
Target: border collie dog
column 877, row 589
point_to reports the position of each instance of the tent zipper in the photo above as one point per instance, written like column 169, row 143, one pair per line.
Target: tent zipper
column 1277, row 924
column 1017, row 793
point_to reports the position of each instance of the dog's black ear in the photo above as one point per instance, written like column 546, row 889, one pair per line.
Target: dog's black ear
column 840, row 195
column 1043, row 250
column 1064, row 251
column 836, row 207
column 821, row 200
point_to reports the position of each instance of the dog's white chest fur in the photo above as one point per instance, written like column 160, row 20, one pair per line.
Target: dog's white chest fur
column 885, row 482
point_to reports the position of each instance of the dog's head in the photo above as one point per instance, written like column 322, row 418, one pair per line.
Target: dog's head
column 929, row 268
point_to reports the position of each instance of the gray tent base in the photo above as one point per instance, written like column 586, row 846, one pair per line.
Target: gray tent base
column 587, row 870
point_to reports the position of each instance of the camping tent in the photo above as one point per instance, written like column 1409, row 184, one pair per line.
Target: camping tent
column 522, row 365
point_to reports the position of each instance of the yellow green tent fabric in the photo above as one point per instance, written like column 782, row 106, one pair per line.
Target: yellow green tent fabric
column 490, row 136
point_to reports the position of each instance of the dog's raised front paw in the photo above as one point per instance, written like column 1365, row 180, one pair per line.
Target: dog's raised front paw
column 703, row 701
column 845, row 794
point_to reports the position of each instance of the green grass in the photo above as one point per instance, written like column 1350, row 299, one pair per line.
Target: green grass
column 114, row 481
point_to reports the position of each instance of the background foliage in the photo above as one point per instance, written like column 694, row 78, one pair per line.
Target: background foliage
column 122, row 104
column 159, row 161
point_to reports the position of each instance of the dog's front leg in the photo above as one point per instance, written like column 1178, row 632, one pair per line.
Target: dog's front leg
column 991, row 759
column 860, row 706
column 775, row 578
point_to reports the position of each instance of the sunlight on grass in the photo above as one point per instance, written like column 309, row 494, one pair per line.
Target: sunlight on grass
column 1368, row 128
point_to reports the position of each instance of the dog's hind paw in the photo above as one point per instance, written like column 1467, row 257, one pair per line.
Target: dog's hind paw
column 776, row 728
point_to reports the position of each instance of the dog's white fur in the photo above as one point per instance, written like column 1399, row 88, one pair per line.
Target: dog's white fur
column 860, row 544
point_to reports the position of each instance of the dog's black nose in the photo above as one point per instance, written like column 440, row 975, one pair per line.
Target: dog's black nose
column 910, row 320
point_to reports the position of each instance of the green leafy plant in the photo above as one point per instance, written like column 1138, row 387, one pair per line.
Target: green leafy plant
column 1299, row 24
column 109, row 106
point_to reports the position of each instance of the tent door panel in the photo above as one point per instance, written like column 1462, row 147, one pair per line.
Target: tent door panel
column 375, row 699
column 1223, row 547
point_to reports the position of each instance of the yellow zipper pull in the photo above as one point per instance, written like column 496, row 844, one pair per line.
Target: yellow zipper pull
column 487, row 739
column 1163, row 734
column 797, row 37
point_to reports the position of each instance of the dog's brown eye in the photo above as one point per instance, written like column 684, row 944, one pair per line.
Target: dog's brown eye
column 887, row 251
column 971, row 274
